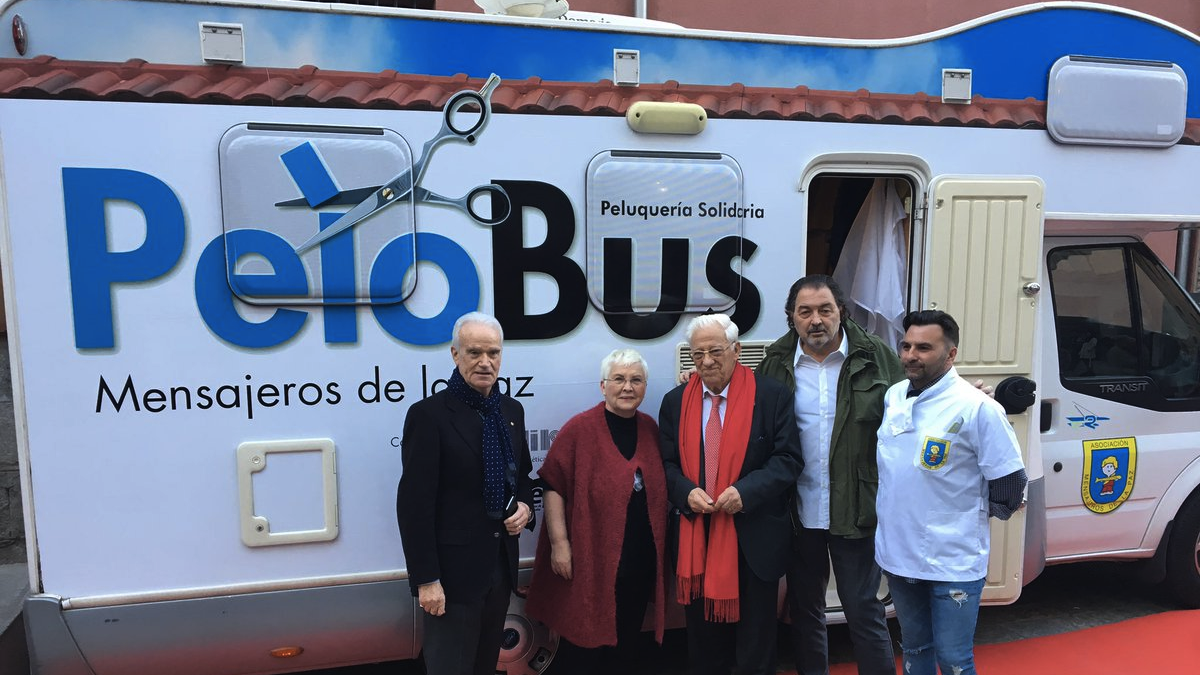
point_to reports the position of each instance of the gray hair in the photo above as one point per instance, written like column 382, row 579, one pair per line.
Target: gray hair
column 477, row 318
column 721, row 321
column 623, row 357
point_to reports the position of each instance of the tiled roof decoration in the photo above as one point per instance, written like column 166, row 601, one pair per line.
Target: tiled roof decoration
column 45, row 77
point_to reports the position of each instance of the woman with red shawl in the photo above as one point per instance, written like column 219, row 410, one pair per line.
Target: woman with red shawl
column 603, row 484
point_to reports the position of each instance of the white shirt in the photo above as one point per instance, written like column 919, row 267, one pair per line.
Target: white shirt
column 816, row 406
column 936, row 452
column 706, row 397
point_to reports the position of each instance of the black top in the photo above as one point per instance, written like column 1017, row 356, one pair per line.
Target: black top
column 637, row 549
column 624, row 432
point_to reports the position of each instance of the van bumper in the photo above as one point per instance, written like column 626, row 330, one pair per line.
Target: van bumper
column 231, row 634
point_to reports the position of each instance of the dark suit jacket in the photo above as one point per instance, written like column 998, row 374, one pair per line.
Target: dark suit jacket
column 767, row 481
column 444, row 528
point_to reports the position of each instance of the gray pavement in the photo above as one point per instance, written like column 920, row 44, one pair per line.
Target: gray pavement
column 1074, row 597
column 1062, row 599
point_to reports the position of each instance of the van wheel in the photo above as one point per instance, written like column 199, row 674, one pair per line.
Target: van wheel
column 528, row 646
column 1183, row 556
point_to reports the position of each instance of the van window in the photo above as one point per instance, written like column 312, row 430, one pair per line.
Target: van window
column 1125, row 329
column 656, row 223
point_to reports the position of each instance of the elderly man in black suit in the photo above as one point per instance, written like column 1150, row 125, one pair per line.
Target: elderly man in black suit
column 731, row 454
column 464, row 496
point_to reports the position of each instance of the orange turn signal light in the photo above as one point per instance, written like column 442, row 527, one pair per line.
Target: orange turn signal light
column 286, row 652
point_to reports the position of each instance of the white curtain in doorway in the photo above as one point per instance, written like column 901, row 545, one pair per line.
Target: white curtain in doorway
column 872, row 267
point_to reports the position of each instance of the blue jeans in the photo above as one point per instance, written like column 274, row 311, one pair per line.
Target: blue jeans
column 937, row 624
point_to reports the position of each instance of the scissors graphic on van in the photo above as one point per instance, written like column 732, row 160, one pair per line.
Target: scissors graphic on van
column 404, row 187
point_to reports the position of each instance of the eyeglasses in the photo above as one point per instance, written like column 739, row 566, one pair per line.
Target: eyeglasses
column 634, row 382
column 716, row 353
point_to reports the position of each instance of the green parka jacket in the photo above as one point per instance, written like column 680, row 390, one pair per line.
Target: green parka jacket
column 870, row 368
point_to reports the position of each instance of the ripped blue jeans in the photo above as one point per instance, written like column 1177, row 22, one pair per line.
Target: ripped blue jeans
column 937, row 624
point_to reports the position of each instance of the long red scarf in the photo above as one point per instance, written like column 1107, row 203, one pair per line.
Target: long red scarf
column 711, row 567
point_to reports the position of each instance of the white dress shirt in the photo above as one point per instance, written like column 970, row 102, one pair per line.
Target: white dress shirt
column 706, row 397
column 816, row 407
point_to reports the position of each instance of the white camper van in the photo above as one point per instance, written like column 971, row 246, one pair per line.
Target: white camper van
column 209, row 393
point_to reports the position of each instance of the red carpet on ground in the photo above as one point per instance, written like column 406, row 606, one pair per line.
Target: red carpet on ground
column 1159, row 644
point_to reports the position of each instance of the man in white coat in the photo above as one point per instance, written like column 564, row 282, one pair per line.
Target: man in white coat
column 948, row 459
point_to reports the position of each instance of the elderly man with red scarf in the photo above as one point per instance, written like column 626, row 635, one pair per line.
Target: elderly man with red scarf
column 731, row 455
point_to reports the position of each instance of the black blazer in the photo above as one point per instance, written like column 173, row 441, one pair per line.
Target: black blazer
column 767, row 481
column 444, row 527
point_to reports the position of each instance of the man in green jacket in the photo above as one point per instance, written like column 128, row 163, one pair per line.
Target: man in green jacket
column 838, row 373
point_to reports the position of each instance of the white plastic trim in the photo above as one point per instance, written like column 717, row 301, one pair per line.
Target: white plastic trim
column 252, row 458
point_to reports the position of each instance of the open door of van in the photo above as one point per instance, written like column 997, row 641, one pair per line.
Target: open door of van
column 981, row 260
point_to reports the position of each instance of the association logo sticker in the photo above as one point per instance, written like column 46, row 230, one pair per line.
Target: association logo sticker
column 933, row 454
column 1109, row 469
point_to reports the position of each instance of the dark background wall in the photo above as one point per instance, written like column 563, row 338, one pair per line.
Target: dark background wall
column 12, row 527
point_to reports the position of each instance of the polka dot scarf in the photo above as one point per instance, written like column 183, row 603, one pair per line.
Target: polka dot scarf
column 497, row 444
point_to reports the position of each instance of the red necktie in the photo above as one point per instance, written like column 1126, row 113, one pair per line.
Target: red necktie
column 712, row 445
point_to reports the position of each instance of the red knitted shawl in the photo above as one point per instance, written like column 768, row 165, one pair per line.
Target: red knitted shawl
column 594, row 479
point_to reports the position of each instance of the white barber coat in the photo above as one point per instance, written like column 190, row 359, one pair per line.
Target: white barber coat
column 937, row 452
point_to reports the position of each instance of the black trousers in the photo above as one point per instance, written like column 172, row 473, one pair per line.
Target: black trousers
column 466, row 639
column 858, row 580
column 748, row 646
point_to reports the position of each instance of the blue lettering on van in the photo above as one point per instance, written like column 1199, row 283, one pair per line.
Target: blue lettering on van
column 94, row 268
column 216, row 301
column 396, row 259
column 337, row 275
column 95, row 271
